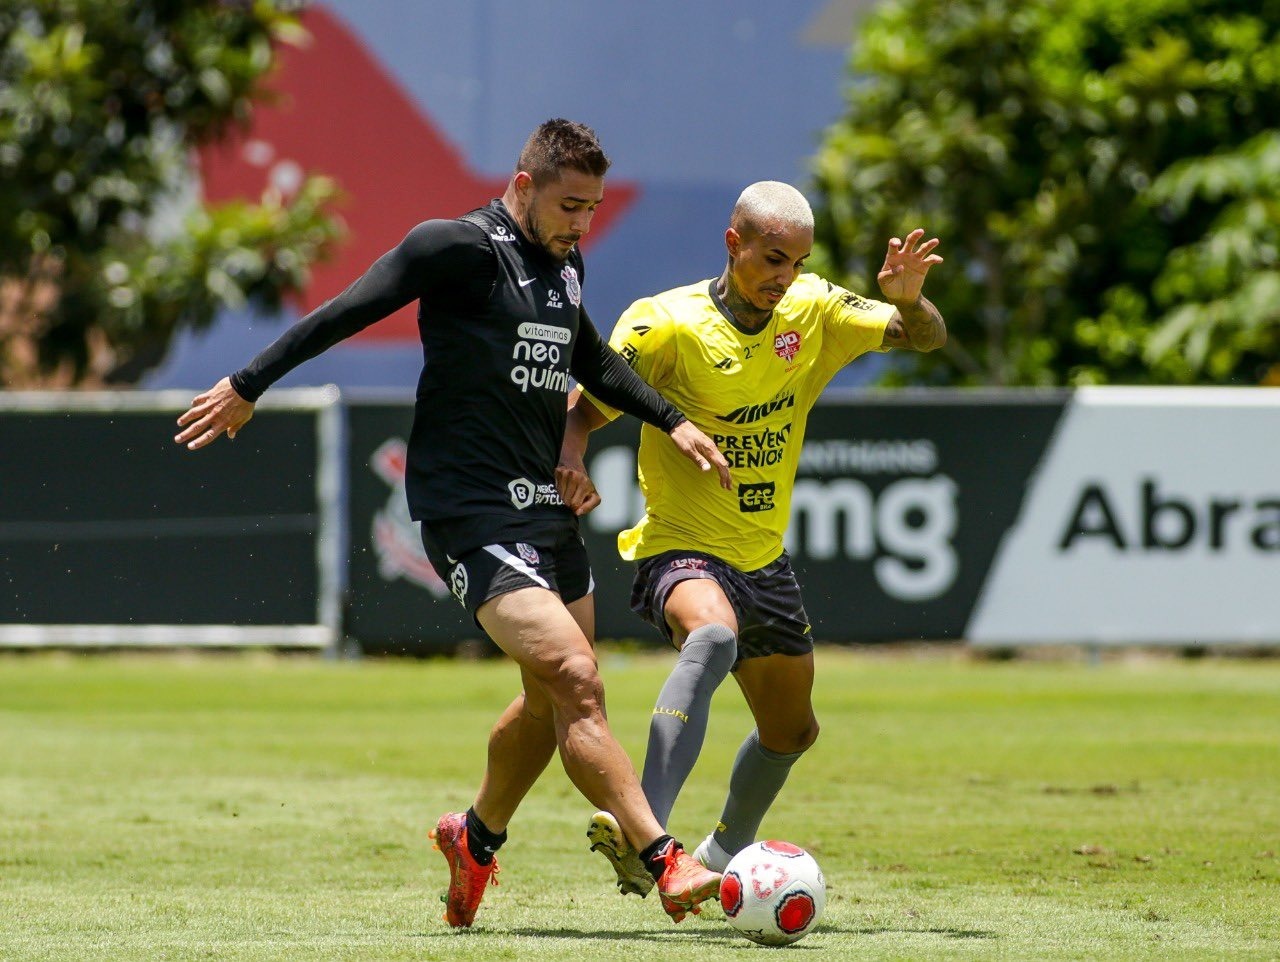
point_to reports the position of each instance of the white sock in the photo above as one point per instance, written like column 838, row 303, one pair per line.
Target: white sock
column 710, row 854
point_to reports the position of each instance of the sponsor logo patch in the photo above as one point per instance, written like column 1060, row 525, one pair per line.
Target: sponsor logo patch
column 856, row 302
column 525, row 493
column 521, row 492
column 538, row 360
column 762, row 448
column 750, row 413
column 544, row 332
column 756, row 497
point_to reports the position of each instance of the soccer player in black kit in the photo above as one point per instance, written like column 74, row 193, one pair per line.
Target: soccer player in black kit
column 503, row 329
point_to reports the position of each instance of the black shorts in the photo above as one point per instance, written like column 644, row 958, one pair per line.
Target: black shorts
column 771, row 615
column 554, row 558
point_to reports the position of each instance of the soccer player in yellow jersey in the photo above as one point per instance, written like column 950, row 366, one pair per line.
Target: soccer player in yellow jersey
column 744, row 356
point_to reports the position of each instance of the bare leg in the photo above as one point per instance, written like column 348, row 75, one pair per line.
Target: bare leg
column 779, row 692
column 535, row 628
column 523, row 741
column 520, row 746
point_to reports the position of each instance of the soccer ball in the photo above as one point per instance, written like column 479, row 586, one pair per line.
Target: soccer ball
column 773, row 892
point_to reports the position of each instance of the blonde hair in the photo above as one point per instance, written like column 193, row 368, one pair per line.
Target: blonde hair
column 770, row 205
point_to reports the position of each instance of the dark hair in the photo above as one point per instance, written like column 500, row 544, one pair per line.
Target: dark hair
column 558, row 144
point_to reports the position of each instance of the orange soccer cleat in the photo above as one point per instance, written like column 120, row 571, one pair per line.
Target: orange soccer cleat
column 467, row 877
column 685, row 882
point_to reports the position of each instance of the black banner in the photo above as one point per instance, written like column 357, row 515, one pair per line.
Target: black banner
column 900, row 506
column 396, row 602
column 898, row 509
column 908, row 521
column 105, row 521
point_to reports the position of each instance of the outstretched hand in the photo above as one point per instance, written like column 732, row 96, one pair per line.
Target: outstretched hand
column 701, row 450
column 906, row 263
column 219, row 409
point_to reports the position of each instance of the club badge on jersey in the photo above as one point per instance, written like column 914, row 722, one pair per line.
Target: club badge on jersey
column 787, row 345
column 571, row 285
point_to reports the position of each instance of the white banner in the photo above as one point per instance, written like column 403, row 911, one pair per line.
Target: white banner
column 1154, row 517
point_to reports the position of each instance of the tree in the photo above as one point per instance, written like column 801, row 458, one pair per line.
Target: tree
column 1105, row 179
column 105, row 252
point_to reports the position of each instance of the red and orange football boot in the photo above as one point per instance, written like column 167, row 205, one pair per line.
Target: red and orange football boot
column 467, row 877
column 685, row 882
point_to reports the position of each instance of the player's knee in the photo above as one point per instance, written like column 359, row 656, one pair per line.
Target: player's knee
column 536, row 704
column 791, row 740
column 576, row 687
column 689, row 612
column 810, row 735
column 714, row 646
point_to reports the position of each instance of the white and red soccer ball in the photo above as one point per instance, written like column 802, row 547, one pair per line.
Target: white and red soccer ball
column 773, row 892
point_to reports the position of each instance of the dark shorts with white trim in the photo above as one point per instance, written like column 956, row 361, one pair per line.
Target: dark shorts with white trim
column 547, row 555
column 767, row 601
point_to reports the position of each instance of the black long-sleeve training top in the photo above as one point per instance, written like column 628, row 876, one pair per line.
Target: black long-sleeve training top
column 502, row 329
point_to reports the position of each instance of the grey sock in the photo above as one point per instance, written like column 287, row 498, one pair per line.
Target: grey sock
column 679, row 721
column 758, row 776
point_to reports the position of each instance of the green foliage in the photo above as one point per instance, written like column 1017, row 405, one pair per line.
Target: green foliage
column 1103, row 177
column 101, row 105
column 1221, row 293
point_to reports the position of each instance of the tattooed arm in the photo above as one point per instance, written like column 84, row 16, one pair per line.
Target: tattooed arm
column 917, row 325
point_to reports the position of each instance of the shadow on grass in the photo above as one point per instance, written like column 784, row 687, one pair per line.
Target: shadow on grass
column 706, row 937
column 886, row 929
column 685, row 936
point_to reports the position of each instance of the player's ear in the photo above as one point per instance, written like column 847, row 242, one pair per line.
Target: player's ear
column 524, row 182
column 732, row 241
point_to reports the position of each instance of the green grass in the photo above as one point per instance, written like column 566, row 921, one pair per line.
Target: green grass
column 253, row 807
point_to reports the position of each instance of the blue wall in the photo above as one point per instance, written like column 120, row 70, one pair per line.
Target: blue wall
column 692, row 101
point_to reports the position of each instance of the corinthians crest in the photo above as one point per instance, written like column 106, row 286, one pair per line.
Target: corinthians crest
column 571, row 285
column 394, row 534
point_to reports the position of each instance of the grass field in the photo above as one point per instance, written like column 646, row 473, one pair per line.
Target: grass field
column 256, row 807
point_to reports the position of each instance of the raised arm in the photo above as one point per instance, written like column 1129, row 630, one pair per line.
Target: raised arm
column 918, row 324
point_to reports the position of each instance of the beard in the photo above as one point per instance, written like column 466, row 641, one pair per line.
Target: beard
column 541, row 238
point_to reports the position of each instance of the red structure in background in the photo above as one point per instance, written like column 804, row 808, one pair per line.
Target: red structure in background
column 337, row 112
